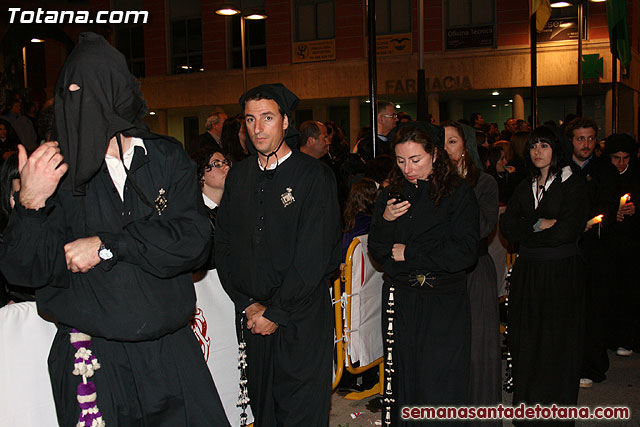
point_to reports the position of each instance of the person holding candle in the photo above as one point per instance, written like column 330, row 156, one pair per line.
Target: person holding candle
column 621, row 231
column 583, row 132
column 425, row 234
column 546, row 216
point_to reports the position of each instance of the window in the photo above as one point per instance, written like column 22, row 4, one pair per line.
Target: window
column 393, row 17
column 470, row 24
column 186, row 46
column 255, row 36
column 129, row 38
column 467, row 13
column 186, row 36
column 130, row 41
column 255, row 39
column 315, row 20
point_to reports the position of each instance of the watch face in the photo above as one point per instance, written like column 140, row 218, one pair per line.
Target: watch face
column 105, row 253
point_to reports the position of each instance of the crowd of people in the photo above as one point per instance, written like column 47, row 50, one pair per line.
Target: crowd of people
column 109, row 227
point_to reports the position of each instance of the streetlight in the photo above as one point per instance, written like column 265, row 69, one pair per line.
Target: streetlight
column 229, row 9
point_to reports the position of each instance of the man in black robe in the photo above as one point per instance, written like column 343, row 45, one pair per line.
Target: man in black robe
column 110, row 251
column 583, row 133
column 277, row 242
column 621, row 236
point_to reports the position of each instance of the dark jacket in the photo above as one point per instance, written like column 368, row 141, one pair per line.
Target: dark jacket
column 438, row 239
column 145, row 291
column 277, row 234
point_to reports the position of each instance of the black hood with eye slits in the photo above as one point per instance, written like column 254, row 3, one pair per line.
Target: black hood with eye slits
column 109, row 101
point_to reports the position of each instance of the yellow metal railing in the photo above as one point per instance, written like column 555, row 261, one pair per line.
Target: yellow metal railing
column 342, row 300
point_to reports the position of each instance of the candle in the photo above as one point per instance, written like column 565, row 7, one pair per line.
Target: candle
column 595, row 220
column 624, row 199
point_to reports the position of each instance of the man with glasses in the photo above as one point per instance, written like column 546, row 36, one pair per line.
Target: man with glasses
column 583, row 133
column 387, row 119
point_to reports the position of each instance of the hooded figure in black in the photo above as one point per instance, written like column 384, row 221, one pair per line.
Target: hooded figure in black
column 621, row 237
column 110, row 250
column 277, row 242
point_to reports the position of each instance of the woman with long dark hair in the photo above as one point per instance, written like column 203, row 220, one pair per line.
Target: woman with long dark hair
column 460, row 144
column 424, row 233
column 545, row 216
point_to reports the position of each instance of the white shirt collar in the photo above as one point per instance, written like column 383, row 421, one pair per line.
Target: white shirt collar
column 116, row 169
column 208, row 202
column 276, row 164
column 128, row 155
column 537, row 197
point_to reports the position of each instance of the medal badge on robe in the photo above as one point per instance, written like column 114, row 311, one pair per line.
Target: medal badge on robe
column 287, row 197
column 160, row 201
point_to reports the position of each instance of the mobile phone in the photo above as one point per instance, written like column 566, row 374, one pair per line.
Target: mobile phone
column 395, row 195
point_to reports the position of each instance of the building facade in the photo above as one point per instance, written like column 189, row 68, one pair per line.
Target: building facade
column 476, row 59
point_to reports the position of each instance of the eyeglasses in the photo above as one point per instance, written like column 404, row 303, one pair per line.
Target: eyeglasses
column 390, row 116
column 218, row 164
column 583, row 138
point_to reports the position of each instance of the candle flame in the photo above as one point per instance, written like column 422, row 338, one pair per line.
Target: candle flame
column 595, row 220
column 626, row 197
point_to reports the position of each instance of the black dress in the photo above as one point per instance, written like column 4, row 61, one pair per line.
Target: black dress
column 546, row 301
column 621, row 242
column 486, row 363
column 277, row 242
column 431, row 325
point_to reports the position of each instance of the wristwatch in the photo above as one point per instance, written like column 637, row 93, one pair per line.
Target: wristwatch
column 104, row 253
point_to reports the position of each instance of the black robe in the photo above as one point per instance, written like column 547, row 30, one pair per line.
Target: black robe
column 622, row 242
column 546, row 299
column 432, row 322
column 595, row 361
column 136, row 306
column 486, row 365
column 277, row 241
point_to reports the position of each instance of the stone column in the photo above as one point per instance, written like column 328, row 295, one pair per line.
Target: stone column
column 518, row 107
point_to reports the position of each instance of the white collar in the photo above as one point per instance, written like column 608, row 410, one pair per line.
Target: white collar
column 208, row 202
column 277, row 163
column 128, row 155
column 564, row 175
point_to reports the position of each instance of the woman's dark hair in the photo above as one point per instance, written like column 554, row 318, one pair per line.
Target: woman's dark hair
column 335, row 133
column 466, row 168
column 361, row 199
column 8, row 172
column 202, row 157
column 380, row 167
column 229, row 139
column 483, row 153
column 547, row 135
column 495, row 153
column 443, row 175
column 517, row 145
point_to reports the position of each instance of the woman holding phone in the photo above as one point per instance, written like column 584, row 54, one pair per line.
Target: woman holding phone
column 424, row 244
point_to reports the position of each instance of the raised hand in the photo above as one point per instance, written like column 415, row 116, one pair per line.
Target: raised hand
column 40, row 174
